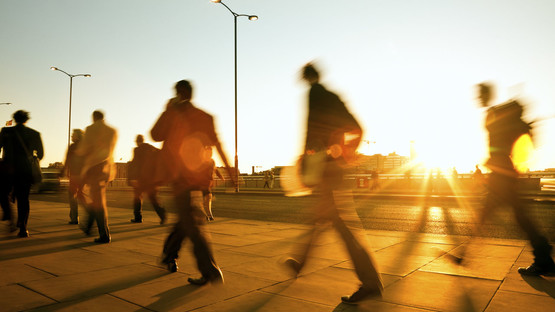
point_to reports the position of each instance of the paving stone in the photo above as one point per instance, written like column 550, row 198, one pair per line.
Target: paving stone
column 518, row 302
column 18, row 298
column 441, row 292
column 94, row 283
column 15, row 271
column 265, row 302
column 176, row 294
column 536, row 285
column 100, row 303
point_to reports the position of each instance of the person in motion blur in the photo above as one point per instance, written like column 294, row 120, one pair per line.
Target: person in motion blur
column 210, row 170
column 141, row 172
column 187, row 132
column 505, row 126
column 332, row 137
column 18, row 144
column 72, row 167
column 97, row 147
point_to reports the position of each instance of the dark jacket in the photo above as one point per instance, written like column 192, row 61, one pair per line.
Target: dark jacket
column 14, row 155
column 187, row 132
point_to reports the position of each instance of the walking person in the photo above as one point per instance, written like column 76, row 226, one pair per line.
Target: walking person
column 97, row 147
column 328, row 121
column 207, row 189
column 141, row 174
column 187, row 132
column 19, row 144
column 505, row 125
column 73, row 166
column 266, row 179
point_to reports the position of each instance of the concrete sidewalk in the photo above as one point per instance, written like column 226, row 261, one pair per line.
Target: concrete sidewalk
column 59, row 269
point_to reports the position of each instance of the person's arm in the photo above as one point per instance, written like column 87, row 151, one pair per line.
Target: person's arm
column 160, row 129
column 39, row 147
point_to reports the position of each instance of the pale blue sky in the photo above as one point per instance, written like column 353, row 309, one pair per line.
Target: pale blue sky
column 405, row 68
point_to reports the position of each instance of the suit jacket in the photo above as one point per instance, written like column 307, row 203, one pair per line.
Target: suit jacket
column 97, row 146
column 143, row 166
column 14, row 155
column 187, row 132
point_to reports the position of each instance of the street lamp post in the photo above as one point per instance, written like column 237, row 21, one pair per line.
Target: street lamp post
column 70, row 91
column 252, row 18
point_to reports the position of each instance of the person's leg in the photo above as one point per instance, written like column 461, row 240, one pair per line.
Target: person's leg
column 21, row 192
column 98, row 196
column 195, row 222
column 160, row 211
column 72, row 191
column 543, row 263
column 137, row 205
column 208, row 206
column 173, row 242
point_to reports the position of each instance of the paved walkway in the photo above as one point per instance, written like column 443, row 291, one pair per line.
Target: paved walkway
column 59, row 269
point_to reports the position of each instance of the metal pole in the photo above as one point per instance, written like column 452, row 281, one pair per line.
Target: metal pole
column 236, row 155
column 69, row 117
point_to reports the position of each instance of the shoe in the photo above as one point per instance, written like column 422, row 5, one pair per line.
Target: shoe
column 209, row 218
column 172, row 266
column 536, row 270
column 102, row 240
column 216, row 279
column 136, row 220
column 361, row 294
column 73, row 222
column 294, row 265
column 23, row 233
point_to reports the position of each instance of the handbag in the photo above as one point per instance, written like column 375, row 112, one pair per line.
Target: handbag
column 36, row 172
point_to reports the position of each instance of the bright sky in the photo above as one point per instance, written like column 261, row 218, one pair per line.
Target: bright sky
column 406, row 69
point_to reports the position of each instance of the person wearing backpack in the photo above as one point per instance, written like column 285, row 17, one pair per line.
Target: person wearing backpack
column 328, row 150
column 17, row 143
column 141, row 172
column 505, row 126
column 187, row 132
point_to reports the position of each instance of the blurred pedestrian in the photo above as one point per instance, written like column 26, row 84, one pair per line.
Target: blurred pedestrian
column 266, row 179
column 19, row 145
column 328, row 122
column 73, row 166
column 207, row 188
column 141, row 174
column 505, row 125
column 187, row 132
column 97, row 147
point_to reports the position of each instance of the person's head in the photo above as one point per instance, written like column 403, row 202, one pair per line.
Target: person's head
column 97, row 115
column 184, row 90
column 140, row 139
column 21, row 117
column 486, row 93
column 76, row 135
column 310, row 74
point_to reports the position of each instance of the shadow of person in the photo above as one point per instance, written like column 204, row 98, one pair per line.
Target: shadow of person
column 542, row 284
column 176, row 297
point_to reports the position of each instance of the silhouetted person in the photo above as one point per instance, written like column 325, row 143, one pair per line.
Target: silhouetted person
column 97, row 147
column 266, row 179
column 17, row 143
column 478, row 178
column 328, row 121
column 141, row 171
column 73, row 166
column 187, row 132
column 207, row 188
column 505, row 125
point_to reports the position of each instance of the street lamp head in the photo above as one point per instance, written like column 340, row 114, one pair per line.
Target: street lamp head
column 53, row 68
column 216, row 1
column 87, row 75
column 253, row 17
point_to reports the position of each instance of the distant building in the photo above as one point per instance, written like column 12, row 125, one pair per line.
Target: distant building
column 381, row 163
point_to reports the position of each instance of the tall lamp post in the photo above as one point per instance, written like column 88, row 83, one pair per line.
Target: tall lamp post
column 252, row 18
column 70, row 91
